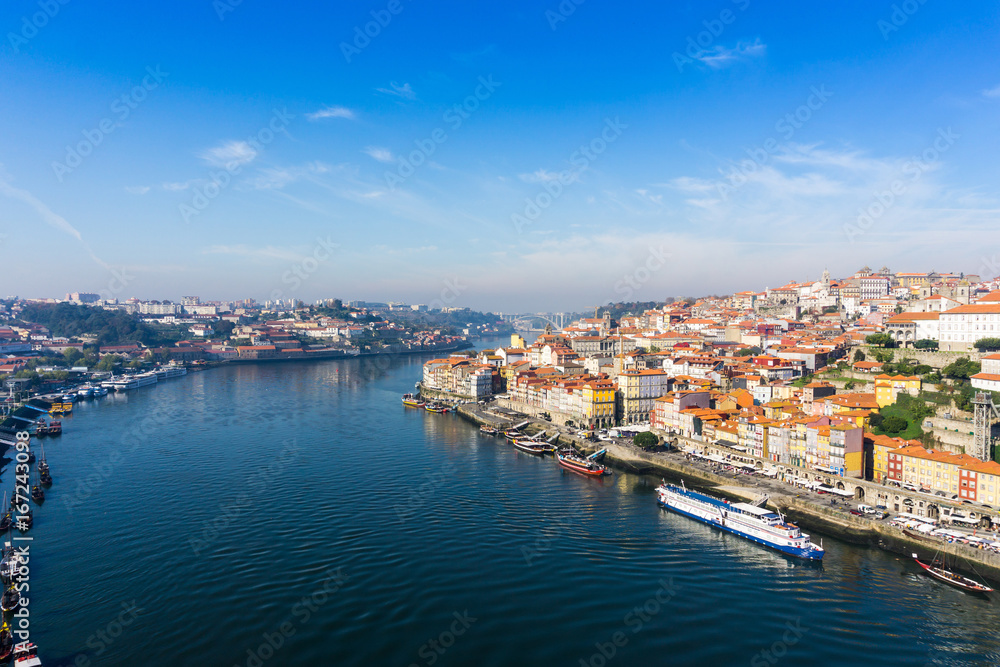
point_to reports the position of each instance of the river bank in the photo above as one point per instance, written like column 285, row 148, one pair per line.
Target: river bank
column 806, row 508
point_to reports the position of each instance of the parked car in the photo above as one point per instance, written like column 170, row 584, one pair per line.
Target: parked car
column 857, row 513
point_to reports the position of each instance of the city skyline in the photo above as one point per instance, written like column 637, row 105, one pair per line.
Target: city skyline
column 505, row 162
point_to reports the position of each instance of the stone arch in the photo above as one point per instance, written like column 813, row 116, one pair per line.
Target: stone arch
column 859, row 492
column 840, row 485
column 933, row 511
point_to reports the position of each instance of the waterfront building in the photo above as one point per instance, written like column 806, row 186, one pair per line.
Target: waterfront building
column 638, row 389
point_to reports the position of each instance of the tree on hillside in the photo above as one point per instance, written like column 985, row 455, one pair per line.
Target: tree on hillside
column 859, row 355
column 987, row 344
column 880, row 340
column 893, row 425
column 961, row 369
column 73, row 355
column 926, row 344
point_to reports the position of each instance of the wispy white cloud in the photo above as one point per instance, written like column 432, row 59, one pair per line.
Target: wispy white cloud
column 48, row 215
column 540, row 176
column 720, row 56
column 176, row 186
column 380, row 154
column 229, row 154
column 331, row 112
column 405, row 91
column 137, row 189
column 992, row 93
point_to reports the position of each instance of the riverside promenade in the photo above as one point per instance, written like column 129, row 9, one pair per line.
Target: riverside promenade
column 811, row 510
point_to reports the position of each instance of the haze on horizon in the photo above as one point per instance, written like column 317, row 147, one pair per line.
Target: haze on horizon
column 517, row 157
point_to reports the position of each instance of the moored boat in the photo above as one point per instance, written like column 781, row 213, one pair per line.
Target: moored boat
column 11, row 599
column 166, row 372
column 26, row 655
column 749, row 521
column 437, row 407
column 937, row 570
column 6, row 642
column 533, row 447
column 413, row 401
column 486, row 429
column 569, row 459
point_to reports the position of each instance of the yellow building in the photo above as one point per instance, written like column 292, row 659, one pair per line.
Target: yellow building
column 599, row 403
column 887, row 387
column 517, row 340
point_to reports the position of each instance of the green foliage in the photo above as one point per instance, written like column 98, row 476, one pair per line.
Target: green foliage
column 646, row 440
column 859, row 355
column 223, row 328
column 108, row 362
column 803, row 381
column 926, row 344
column 850, row 384
column 894, row 425
column 880, row 340
column 987, row 344
column 112, row 327
column 932, row 378
column 748, row 351
column 961, row 369
column 884, row 356
column 72, row 356
column 921, row 369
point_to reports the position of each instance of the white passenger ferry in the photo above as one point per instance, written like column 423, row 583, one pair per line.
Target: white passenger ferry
column 750, row 521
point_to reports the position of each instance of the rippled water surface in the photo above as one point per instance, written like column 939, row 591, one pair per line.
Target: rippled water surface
column 297, row 514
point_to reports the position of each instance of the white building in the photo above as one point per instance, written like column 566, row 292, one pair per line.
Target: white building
column 989, row 377
column 963, row 326
column 154, row 308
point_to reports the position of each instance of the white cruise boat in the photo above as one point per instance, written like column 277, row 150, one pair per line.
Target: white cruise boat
column 127, row 382
column 166, row 372
column 749, row 521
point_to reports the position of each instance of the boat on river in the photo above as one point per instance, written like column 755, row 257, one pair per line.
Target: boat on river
column 534, row 446
column 571, row 460
column 486, row 429
column 936, row 568
column 26, row 655
column 749, row 521
column 412, row 401
column 6, row 642
column 437, row 407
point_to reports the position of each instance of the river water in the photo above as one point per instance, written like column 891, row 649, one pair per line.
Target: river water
column 298, row 514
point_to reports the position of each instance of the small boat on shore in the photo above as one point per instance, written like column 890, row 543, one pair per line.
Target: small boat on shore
column 937, row 570
column 412, row 401
column 571, row 460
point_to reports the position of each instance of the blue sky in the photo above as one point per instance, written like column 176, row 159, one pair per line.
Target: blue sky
column 513, row 156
